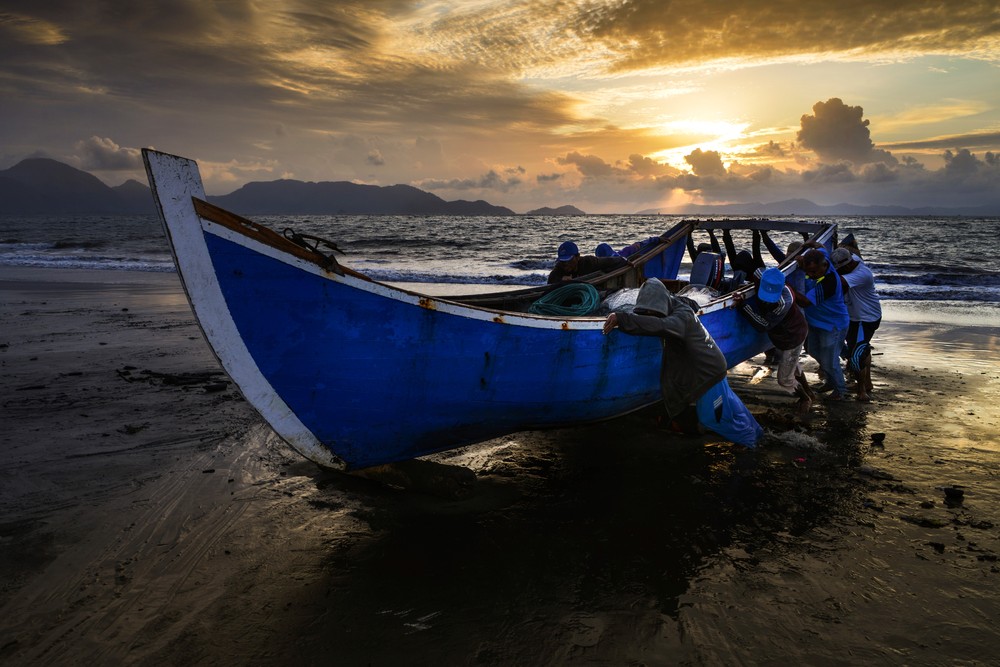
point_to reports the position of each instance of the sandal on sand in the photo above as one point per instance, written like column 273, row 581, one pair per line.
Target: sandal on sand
column 835, row 396
column 822, row 388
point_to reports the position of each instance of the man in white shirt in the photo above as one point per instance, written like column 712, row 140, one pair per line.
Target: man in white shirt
column 865, row 311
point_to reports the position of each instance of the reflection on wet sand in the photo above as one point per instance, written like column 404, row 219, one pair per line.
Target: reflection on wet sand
column 577, row 545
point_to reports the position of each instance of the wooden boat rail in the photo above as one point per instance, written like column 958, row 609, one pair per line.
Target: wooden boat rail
column 268, row 236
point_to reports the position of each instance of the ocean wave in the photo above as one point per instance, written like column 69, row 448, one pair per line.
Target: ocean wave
column 12, row 246
column 923, row 267
column 96, row 263
column 939, row 293
column 982, row 279
column 532, row 265
column 78, row 245
column 397, row 245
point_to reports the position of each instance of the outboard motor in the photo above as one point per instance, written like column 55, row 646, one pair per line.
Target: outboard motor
column 707, row 270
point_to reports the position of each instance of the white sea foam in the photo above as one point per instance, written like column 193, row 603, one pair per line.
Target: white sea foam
column 797, row 440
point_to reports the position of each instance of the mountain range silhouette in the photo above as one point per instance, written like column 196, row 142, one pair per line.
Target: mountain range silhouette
column 46, row 186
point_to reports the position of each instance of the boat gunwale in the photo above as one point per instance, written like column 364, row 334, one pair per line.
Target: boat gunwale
column 386, row 290
column 255, row 230
column 268, row 237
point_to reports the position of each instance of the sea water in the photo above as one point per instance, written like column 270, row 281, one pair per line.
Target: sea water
column 915, row 259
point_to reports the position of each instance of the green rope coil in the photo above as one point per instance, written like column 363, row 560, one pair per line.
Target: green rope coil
column 568, row 300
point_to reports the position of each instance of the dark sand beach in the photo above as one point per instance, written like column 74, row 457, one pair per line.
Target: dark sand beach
column 149, row 516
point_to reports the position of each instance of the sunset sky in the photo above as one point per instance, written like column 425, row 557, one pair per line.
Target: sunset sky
column 612, row 106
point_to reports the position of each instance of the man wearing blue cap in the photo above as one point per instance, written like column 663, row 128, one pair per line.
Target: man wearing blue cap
column 774, row 311
column 570, row 265
column 826, row 311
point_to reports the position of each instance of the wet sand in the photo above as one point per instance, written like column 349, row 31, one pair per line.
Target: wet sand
column 148, row 515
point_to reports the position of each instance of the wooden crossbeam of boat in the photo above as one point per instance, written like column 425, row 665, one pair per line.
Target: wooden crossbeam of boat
column 763, row 224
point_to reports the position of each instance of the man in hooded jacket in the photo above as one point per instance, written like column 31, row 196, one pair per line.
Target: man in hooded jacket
column 693, row 368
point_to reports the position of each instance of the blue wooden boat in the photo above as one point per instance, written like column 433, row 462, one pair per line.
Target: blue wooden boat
column 353, row 373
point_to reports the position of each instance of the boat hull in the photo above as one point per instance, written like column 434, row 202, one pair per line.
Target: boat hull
column 380, row 376
column 354, row 373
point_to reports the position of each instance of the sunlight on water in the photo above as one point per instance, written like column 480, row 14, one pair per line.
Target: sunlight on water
column 961, row 313
column 952, row 337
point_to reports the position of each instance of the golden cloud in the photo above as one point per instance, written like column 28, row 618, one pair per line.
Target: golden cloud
column 30, row 30
column 650, row 33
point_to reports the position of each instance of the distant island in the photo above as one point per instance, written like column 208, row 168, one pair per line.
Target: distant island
column 44, row 186
column 40, row 185
column 562, row 210
column 288, row 197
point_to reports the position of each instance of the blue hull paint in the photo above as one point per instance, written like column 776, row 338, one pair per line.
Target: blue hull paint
column 379, row 380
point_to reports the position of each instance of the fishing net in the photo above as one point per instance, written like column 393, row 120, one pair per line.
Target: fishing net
column 568, row 300
column 623, row 299
column 699, row 294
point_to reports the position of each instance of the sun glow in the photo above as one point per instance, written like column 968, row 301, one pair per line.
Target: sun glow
column 708, row 135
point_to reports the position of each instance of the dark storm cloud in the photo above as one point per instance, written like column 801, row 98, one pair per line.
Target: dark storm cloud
column 121, row 49
column 649, row 33
column 963, row 165
column 830, row 173
column 878, row 172
column 705, row 163
column 645, row 166
column 591, row 166
column 836, row 131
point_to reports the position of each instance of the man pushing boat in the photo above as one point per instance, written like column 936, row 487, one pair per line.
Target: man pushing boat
column 693, row 368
